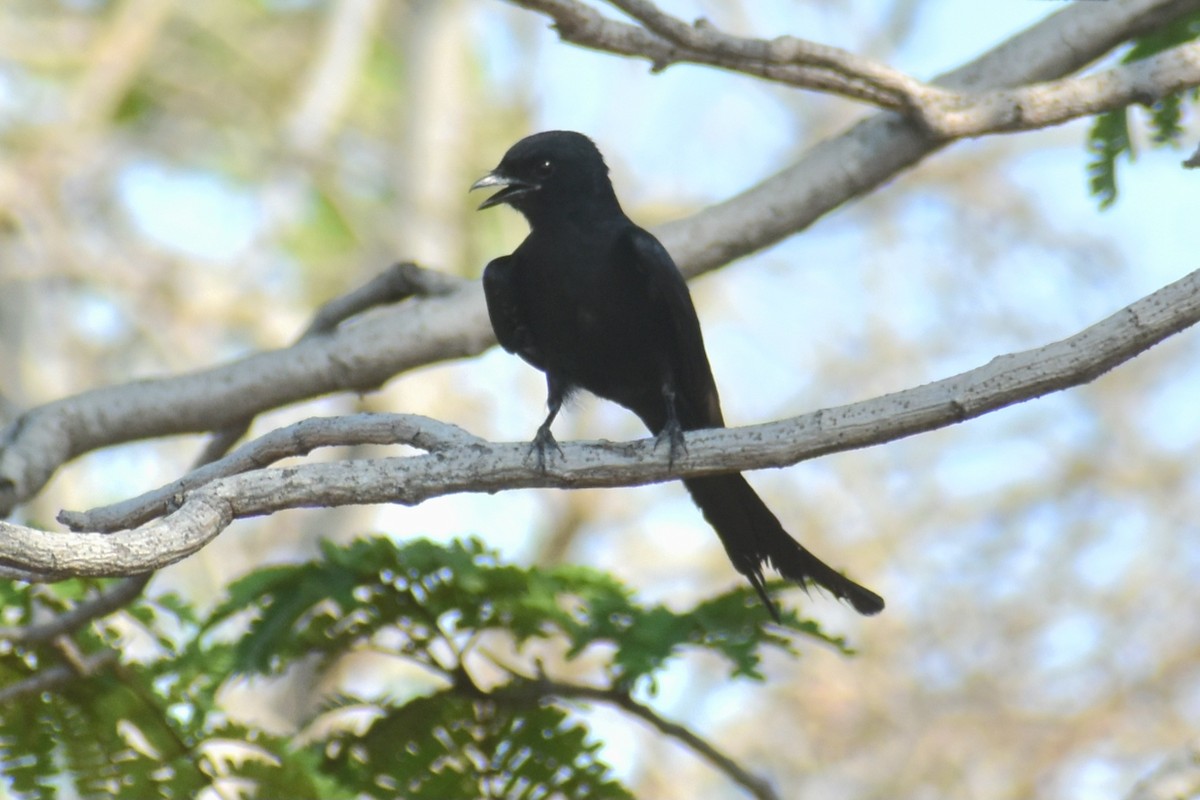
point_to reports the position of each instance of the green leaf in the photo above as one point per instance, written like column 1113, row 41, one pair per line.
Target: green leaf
column 1108, row 140
column 447, row 745
column 1181, row 31
column 150, row 729
column 1109, row 136
column 1166, row 119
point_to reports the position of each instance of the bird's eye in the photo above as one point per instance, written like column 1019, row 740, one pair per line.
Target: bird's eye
column 545, row 168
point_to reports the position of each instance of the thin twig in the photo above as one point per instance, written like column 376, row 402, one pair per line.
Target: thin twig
column 582, row 25
column 104, row 603
column 396, row 283
column 53, row 677
column 528, row 689
column 1193, row 161
column 744, row 54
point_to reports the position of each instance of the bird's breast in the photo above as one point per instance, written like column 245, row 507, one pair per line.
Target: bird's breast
column 590, row 325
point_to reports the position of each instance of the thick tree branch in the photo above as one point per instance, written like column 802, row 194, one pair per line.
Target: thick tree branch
column 484, row 467
column 392, row 285
column 353, row 357
column 454, row 325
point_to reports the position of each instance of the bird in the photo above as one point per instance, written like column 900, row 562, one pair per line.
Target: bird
column 597, row 304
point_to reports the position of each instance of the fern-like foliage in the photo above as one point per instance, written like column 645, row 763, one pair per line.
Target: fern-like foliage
column 1109, row 137
column 155, row 729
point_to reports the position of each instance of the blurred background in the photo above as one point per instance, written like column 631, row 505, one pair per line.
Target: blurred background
column 184, row 183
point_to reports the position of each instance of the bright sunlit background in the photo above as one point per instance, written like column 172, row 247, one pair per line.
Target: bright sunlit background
column 183, row 184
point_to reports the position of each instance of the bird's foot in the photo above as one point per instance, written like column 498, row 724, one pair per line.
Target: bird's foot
column 672, row 434
column 542, row 441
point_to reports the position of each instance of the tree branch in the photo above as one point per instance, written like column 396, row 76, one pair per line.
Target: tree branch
column 875, row 150
column 447, row 324
column 664, row 40
column 484, row 467
column 455, row 324
column 1045, row 104
column 298, row 439
column 392, row 285
column 395, row 284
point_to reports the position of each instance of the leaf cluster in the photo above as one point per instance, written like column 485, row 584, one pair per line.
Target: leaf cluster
column 1110, row 137
column 153, row 727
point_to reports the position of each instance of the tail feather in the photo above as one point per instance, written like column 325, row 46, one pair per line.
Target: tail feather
column 753, row 537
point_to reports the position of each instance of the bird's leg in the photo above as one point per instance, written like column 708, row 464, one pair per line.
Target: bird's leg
column 556, row 392
column 544, row 439
column 672, row 431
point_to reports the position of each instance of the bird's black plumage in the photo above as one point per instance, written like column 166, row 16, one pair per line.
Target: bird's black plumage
column 596, row 303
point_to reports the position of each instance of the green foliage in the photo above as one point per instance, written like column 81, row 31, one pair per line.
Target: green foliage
column 452, row 745
column 155, row 729
column 1107, row 141
column 1110, row 137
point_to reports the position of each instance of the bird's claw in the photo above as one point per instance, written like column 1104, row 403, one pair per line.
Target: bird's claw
column 541, row 441
column 673, row 435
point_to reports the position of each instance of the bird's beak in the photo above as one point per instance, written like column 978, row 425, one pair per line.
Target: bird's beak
column 512, row 188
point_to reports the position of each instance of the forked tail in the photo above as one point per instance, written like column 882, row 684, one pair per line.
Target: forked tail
column 753, row 538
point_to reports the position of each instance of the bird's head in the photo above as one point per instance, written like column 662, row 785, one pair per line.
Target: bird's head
column 549, row 172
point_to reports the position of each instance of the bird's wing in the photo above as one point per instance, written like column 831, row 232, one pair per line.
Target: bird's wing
column 677, row 325
column 505, row 311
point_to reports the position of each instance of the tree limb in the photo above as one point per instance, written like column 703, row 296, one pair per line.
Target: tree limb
column 945, row 114
column 298, row 439
column 455, row 324
column 485, row 467
column 1045, row 104
column 349, row 358
column 665, row 40
column 392, row 285
column 395, row 284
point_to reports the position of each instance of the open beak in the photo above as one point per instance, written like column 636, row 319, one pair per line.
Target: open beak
column 512, row 187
